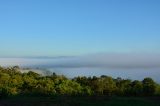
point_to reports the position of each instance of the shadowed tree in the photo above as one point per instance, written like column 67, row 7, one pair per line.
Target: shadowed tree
column 149, row 86
column 136, row 88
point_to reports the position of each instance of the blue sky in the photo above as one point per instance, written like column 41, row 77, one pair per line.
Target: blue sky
column 77, row 27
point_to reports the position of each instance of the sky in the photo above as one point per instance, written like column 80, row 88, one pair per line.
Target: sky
column 33, row 28
column 110, row 61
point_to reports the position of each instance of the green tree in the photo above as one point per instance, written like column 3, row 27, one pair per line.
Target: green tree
column 45, row 86
column 123, row 86
column 149, row 86
column 136, row 88
column 104, row 85
column 68, row 87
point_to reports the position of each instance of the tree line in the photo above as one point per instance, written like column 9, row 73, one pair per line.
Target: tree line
column 13, row 82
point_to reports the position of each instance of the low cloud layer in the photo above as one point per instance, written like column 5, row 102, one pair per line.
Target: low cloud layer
column 103, row 60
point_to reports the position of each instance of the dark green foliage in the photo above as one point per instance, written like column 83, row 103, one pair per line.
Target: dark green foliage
column 137, row 88
column 123, row 87
column 149, row 86
column 13, row 82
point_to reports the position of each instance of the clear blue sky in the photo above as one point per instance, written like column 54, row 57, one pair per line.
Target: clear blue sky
column 77, row 27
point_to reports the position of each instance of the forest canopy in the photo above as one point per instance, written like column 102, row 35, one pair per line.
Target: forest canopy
column 13, row 82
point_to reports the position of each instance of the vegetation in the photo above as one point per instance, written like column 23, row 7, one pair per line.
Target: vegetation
column 13, row 82
column 30, row 88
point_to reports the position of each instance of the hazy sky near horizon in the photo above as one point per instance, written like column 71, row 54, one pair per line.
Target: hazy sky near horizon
column 133, row 66
column 101, row 60
column 77, row 27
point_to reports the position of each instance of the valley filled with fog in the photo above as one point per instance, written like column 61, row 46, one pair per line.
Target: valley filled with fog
column 132, row 66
